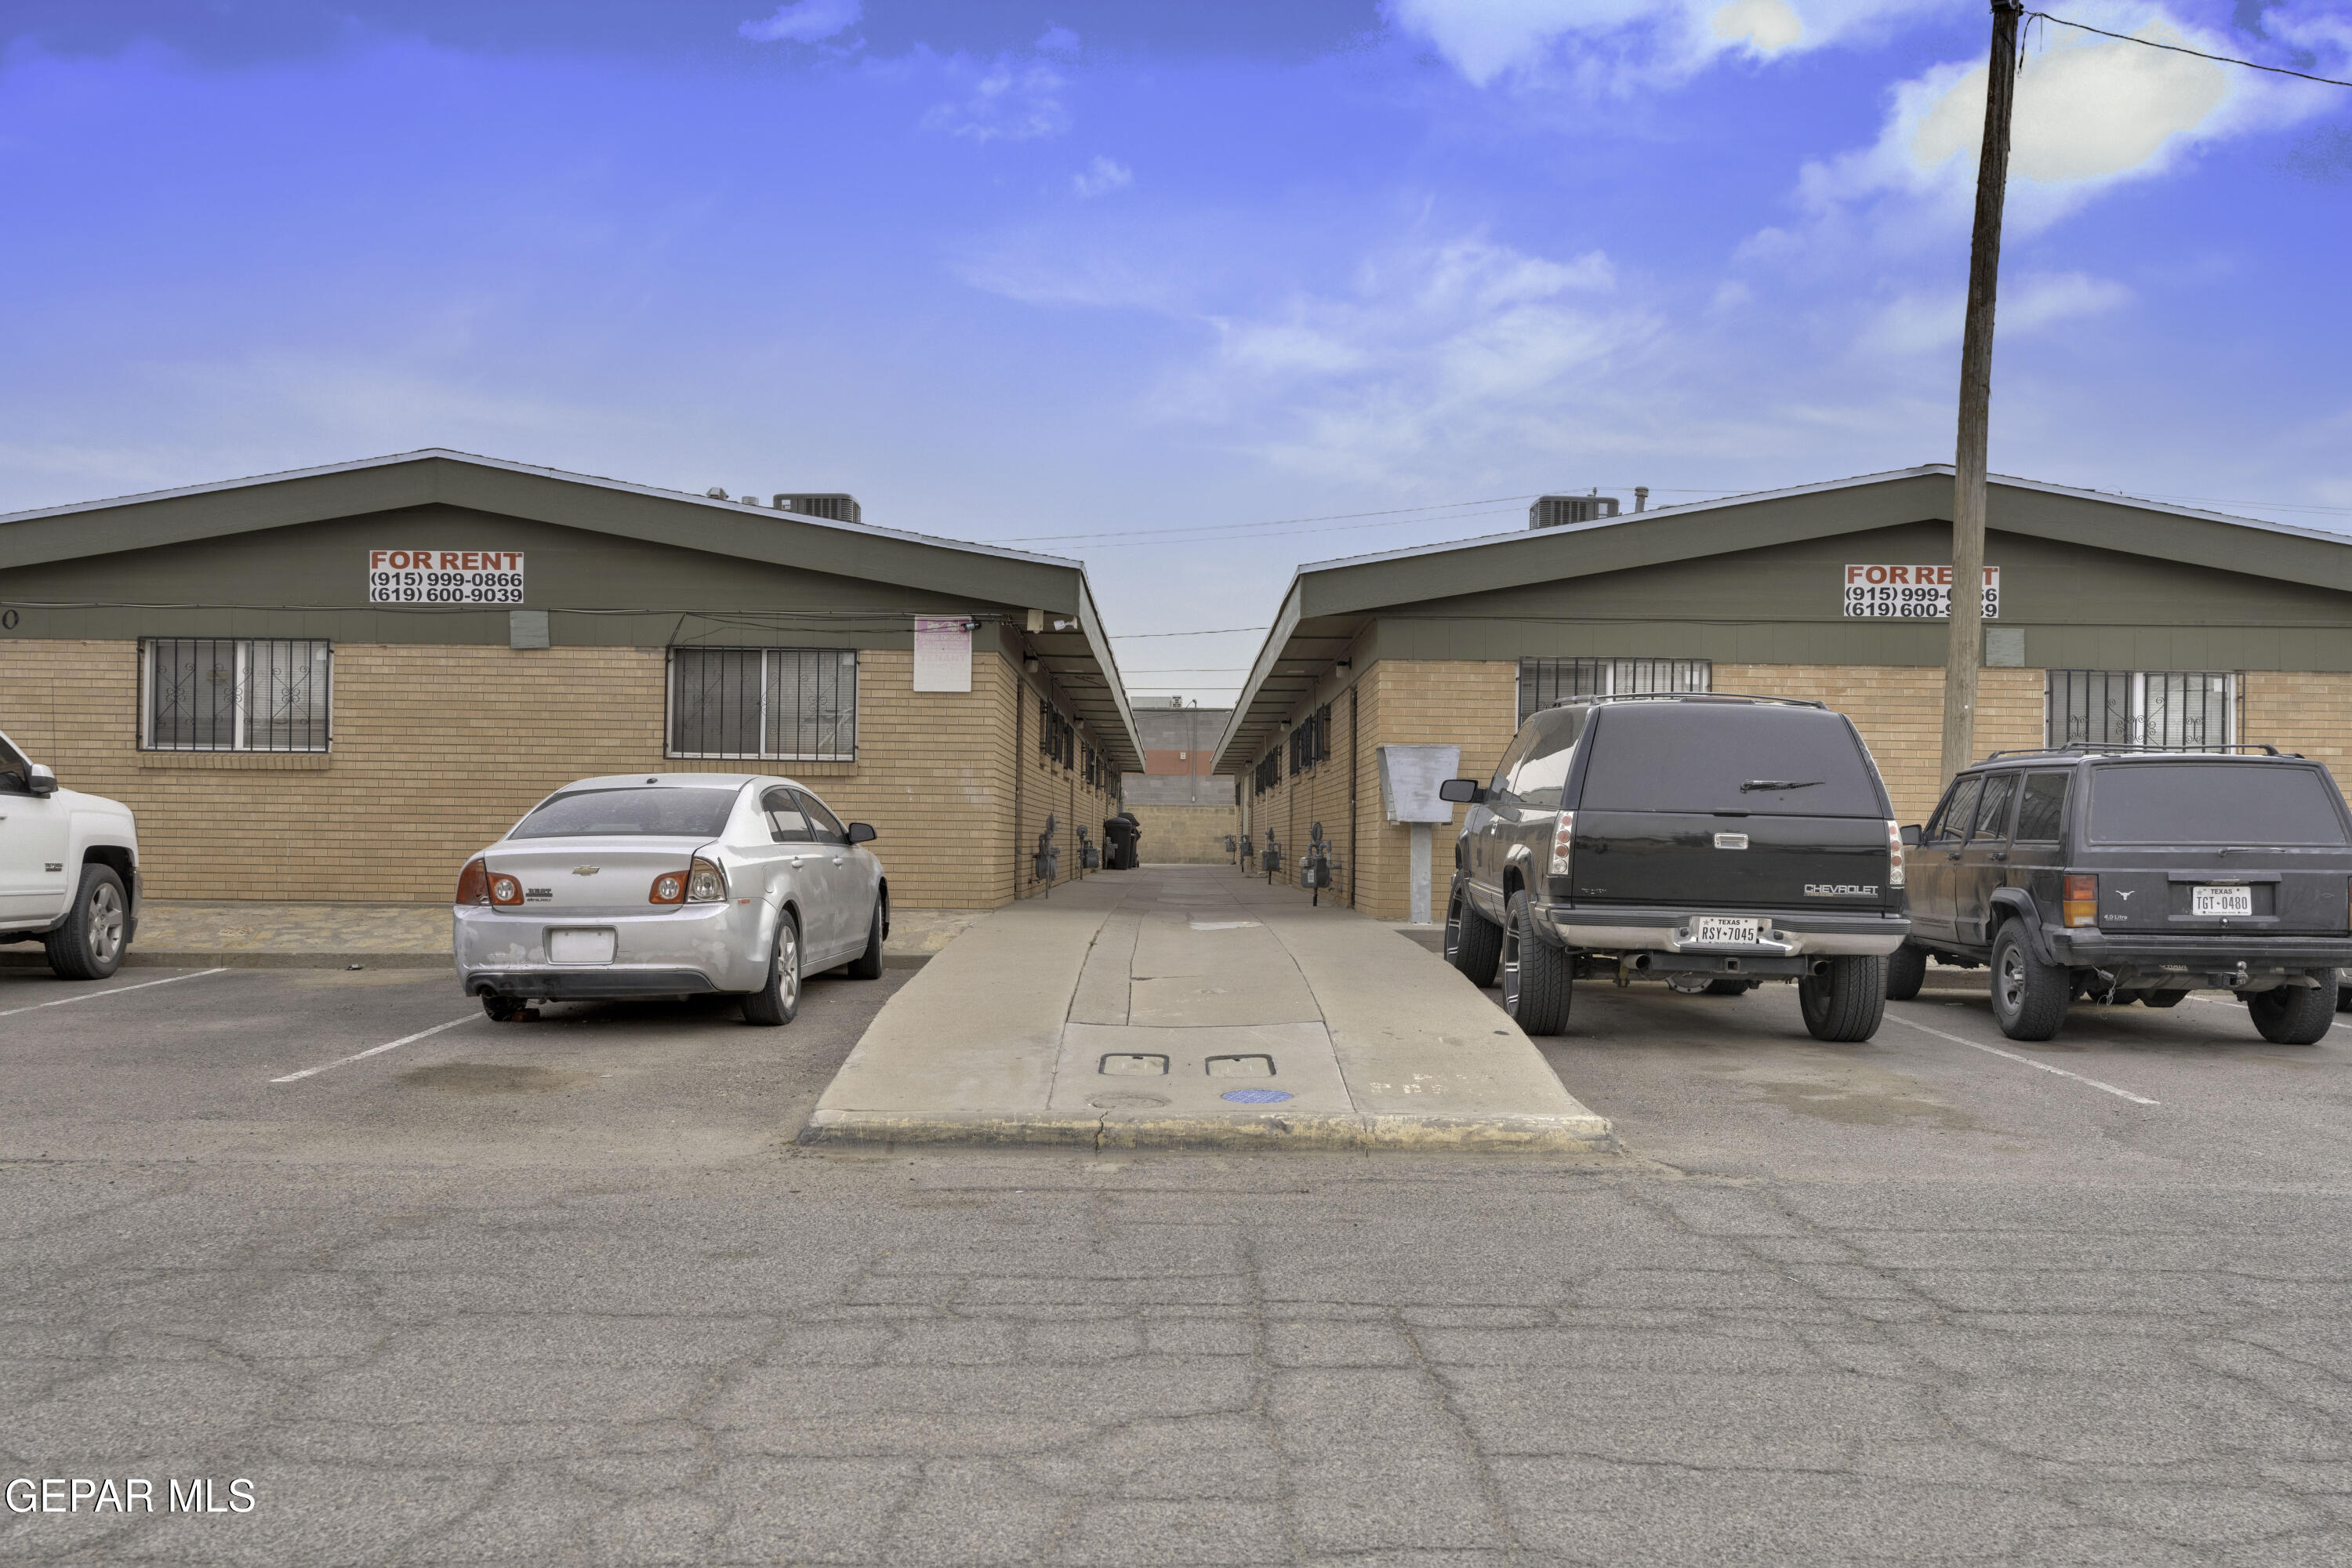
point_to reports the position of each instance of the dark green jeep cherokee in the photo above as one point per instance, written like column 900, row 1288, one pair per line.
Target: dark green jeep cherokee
column 2119, row 875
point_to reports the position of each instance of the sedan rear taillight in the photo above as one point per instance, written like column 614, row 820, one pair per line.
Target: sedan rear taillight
column 670, row 888
column 705, row 882
column 505, row 889
column 474, row 883
column 2082, row 900
column 1894, row 854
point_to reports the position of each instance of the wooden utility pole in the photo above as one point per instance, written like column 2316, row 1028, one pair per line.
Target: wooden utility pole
column 1965, row 652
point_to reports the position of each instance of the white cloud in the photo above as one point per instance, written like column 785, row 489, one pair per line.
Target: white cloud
column 1005, row 100
column 2090, row 111
column 1101, row 177
column 1486, row 39
column 803, row 23
column 1925, row 324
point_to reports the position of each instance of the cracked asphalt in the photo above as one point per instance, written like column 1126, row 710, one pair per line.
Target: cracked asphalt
column 565, row 1293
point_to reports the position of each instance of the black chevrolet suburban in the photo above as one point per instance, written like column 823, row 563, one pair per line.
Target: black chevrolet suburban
column 2122, row 874
column 1708, row 840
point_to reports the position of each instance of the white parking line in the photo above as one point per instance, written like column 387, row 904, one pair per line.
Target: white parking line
column 117, row 991
column 2029, row 1061
column 379, row 1050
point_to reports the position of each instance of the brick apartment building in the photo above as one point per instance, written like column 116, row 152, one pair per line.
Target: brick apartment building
column 2119, row 620
column 1186, row 810
column 336, row 684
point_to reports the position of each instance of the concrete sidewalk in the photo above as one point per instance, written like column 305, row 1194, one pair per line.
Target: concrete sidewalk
column 1189, row 1007
column 187, row 935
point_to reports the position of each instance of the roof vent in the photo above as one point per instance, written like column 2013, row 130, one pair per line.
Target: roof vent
column 1558, row 512
column 837, row 506
column 716, row 493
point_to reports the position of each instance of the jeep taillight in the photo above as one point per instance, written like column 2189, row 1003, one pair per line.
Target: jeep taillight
column 1563, row 840
column 2082, row 900
column 474, row 884
column 1893, row 855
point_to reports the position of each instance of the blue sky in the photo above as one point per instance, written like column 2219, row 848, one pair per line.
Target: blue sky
column 1030, row 271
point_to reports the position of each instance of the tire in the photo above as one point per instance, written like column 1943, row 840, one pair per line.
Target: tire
column 867, row 966
column 1729, row 987
column 2161, row 999
column 1537, row 976
column 1474, row 945
column 2293, row 1016
column 2029, row 998
column 502, row 1009
column 1907, row 971
column 778, row 1001
column 90, row 944
column 1847, row 1004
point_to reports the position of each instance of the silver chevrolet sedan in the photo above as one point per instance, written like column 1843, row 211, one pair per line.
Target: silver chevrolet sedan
column 671, row 885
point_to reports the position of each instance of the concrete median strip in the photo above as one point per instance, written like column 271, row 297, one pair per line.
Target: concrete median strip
column 1188, row 1007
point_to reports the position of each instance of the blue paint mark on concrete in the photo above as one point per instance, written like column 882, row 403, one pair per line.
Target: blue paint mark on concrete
column 1257, row 1096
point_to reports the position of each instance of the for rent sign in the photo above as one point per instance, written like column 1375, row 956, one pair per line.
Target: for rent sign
column 1916, row 593
column 445, row 576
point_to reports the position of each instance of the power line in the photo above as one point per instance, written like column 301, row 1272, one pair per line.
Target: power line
column 2178, row 50
column 1214, row 632
column 1327, row 517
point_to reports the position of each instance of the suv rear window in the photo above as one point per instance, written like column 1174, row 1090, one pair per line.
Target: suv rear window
column 1708, row 756
column 2212, row 803
column 657, row 813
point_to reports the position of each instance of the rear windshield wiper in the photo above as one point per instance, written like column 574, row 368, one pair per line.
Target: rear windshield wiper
column 1780, row 784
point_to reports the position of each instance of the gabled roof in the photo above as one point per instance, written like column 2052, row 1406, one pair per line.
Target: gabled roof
column 745, row 529
column 1329, row 601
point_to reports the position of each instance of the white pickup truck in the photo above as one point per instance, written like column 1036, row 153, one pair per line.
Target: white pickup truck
column 68, row 869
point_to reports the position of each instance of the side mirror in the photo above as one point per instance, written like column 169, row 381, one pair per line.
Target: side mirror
column 1911, row 837
column 42, row 781
column 861, row 833
column 1461, row 791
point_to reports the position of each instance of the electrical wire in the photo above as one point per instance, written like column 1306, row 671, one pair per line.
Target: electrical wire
column 1433, row 507
column 1213, row 632
column 2178, row 50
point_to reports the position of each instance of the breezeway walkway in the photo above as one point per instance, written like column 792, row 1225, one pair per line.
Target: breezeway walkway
column 1191, row 1005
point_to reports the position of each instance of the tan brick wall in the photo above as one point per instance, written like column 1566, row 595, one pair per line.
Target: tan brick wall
column 1186, row 835
column 1900, row 711
column 1048, row 789
column 2310, row 713
column 438, row 748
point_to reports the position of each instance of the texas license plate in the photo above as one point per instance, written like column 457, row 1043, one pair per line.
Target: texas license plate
column 2221, row 900
column 1711, row 930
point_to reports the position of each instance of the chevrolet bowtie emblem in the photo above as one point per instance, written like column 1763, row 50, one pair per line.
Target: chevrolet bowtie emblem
column 585, row 870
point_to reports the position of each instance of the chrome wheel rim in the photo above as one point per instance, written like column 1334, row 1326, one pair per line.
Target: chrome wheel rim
column 788, row 966
column 1511, row 966
column 105, row 922
column 1454, row 926
column 2012, row 980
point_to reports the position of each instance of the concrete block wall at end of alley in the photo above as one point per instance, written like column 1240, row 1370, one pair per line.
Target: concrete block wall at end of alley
column 437, row 749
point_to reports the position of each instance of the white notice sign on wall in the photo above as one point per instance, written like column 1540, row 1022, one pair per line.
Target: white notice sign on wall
column 1912, row 592
column 445, row 576
column 942, row 652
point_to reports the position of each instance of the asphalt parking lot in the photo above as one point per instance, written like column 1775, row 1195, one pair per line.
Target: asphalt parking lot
column 564, row 1291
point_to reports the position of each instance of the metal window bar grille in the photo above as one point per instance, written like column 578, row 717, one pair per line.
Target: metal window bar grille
column 1548, row 682
column 238, row 694
column 2174, row 708
column 783, row 703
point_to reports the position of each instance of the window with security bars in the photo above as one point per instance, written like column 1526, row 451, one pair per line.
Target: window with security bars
column 1548, row 682
column 1268, row 774
column 2179, row 709
column 236, row 694
column 785, row 704
column 1057, row 738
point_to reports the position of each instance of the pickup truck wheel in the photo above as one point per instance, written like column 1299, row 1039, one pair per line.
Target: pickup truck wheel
column 1907, row 971
column 88, row 946
column 1537, row 978
column 1846, row 1003
column 2295, row 1015
column 2029, row 998
column 867, row 966
column 1474, row 945
column 776, row 1002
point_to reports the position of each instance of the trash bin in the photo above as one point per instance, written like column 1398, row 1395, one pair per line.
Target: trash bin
column 1120, row 836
